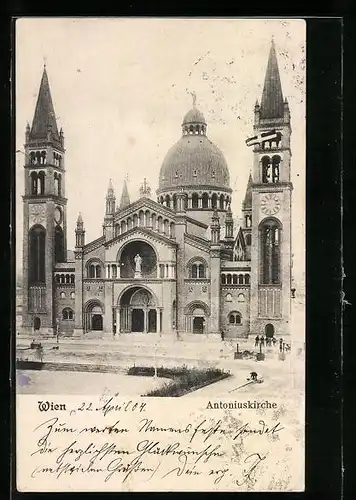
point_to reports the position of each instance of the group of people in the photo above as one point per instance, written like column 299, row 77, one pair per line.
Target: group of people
column 271, row 341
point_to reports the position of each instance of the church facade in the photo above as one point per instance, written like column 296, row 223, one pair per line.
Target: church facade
column 177, row 265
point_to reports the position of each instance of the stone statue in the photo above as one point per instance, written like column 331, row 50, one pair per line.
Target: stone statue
column 138, row 262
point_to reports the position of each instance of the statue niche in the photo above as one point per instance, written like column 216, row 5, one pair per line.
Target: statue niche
column 138, row 261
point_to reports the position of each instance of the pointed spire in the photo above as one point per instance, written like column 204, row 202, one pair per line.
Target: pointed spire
column 80, row 220
column 247, row 203
column 125, row 198
column 110, row 193
column 145, row 190
column 44, row 120
column 272, row 96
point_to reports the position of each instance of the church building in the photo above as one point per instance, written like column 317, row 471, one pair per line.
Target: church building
column 174, row 266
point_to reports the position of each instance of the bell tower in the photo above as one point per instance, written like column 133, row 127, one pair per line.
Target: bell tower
column 45, row 212
column 270, row 213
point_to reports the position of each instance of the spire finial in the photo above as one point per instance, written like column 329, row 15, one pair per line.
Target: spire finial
column 44, row 62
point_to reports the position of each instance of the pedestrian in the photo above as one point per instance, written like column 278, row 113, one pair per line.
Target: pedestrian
column 222, row 334
column 268, row 341
column 274, row 341
column 262, row 341
column 280, row 345
column 257, row 340
column 253, row 376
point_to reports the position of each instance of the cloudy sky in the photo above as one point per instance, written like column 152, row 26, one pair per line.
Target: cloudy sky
column 121, row 87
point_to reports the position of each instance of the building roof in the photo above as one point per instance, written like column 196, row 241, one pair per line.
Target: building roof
column 44, row 119
column 272, row 96
column 194, row 160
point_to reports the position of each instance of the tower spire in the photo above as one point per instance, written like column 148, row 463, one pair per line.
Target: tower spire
column 125, row 198
column 247, row 203
column 272, row 96
column 44, row 120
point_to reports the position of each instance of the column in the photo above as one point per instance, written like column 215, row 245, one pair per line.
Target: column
column 158, row 319
column 145, row 320
column 209, row 202
column 158, row 269
column 189, row 202
column 118, row 320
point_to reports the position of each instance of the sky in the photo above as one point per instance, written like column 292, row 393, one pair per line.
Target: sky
column 121, row 87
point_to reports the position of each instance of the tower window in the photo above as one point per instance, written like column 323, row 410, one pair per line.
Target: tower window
column 235, row 318
column 37, row 241
column 197, row 270
column 270, row 251
column 266, row 166
column 59, row 245
column 214, row 201
column 222, row 202
column 67, row 314
column 276, row 160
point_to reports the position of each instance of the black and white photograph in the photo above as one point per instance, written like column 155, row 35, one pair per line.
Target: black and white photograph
column 160, row 254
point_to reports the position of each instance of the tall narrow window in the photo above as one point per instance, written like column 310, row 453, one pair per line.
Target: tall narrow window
column 201, row 271
column 266, row 167
column 59, row 244
column 194, row 271
column 205, row 201
column 270, row 255
column 37, row 241
column 276, row 160
column 195, row 202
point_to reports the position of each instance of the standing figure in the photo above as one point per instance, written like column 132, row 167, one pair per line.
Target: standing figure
column 280, row 345
column 262, row 341
column 257, row 340
column 138, row 262
column 222, row 334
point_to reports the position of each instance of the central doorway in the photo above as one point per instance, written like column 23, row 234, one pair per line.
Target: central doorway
column 198, row 324
column 138, row 320
column 269, row 331
column 97, row 322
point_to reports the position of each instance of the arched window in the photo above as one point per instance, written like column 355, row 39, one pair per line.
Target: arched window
column 117, row 230
column 59, row 245
column 247, row 279
column 201, row 271
column 228, row 297
column 58, row 278
column 234, row 279
column 92, row 271
column 174, row 200
column 135, row 220
column 172, row 229
column 270, row 251
column 98, row 271
column 123, row 226
column 240, row 297
column 33, row 183
column 67, row 278
column 241, row 279
column 228, row 279
column 41, row 183
column 194, row 271
column 37, row 243
column 266, row 166
column 195, row 200
column 205, row 200
column 276, row 160
column 63, row 278
column 72, row 278
column 62, row 295
column 222, row 202
column 223, row 279
column 168, row 201
column 235, row 318
column 214, row 201
column 72, row 295
column 67, row 314
column 248, row 239
column 32, row 158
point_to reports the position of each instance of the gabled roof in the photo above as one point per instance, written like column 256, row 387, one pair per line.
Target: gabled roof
column 272, row 96
column 149, row 233
column 44, row 119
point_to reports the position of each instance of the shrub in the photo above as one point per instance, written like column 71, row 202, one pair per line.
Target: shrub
column 183, row 379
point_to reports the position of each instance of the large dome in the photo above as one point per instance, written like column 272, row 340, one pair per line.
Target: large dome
column 194, row 160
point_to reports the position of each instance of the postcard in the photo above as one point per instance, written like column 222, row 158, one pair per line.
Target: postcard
column 160, row 254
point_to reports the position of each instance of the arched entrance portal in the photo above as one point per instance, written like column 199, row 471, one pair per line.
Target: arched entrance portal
column 269, row 331
column 138, row 312
column 197, row 315
column 93, row 316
